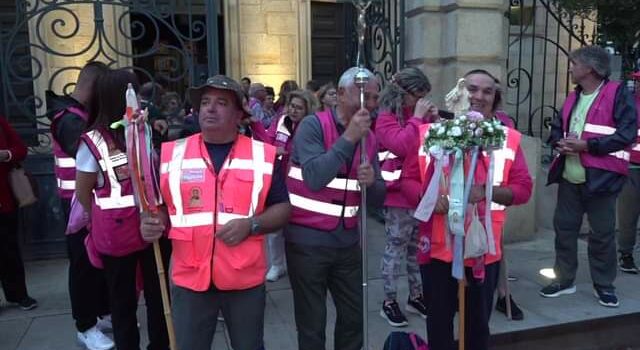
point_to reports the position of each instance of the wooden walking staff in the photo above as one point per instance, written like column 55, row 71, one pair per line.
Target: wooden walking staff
column 146, row 189
column 361, row 80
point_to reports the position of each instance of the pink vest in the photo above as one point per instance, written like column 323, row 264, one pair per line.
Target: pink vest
column 599, row 122
column 115, row 218
column 340, row 198
column 65, row 165
column 635, row 150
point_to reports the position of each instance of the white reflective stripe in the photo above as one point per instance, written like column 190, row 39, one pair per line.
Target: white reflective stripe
column 115, row 200
column 65, row 162
column 496, row 206
column 336, row 184
column 248, row 164
column 638, row 132
column 599, row 129
column 191, row 220
column 636, row 147
column 386, row 155
column 257, row 153
column 322, row 207
column 174, row 179
column 624, row 155
column 115, row 203
column 391, row 175
column 224, row 218
column 66, row 184
column 191, row 163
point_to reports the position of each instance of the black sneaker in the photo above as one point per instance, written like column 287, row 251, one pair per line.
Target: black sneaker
column 627, row 264
column 416, row 306
column 516, row 312
column 607, row 298
column 28, row 303
column 556, row 289
column 391, row 312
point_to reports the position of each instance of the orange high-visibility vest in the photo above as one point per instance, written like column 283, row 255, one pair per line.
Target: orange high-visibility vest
column 503, row 160
column 200, row 202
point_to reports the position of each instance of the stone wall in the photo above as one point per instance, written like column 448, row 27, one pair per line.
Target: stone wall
column 268, row 38
column 447, row 38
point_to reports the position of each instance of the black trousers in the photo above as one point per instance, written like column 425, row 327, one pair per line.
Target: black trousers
column 11, row 265
column 442, row 290
column 195, row 316
column 120, row 273
column 313, row 271
column 87, row 285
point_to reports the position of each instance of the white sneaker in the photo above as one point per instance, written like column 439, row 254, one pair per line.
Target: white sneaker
column 104, row 324
column 275, row 272
column 93, row 339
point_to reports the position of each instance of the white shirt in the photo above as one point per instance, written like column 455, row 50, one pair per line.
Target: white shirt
column 86, row 162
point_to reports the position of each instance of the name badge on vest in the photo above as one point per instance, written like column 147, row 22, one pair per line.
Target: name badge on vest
column 192, row 175
column 120, row 165
column 195, row 200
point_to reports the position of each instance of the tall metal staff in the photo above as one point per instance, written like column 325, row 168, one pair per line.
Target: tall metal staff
column 361, row 80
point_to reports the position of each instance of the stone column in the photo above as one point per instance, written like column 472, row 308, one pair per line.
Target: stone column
column 267, row 40
column 447, row 38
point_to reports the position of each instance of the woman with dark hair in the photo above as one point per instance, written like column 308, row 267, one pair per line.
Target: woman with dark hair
column 403, row 108
column 104, row 187
column 12, row 152
column 328, row 97
column 286, row 87
column 300, row 104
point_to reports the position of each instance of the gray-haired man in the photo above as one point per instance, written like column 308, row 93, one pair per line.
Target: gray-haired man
column 592, row 135
column 322, row 236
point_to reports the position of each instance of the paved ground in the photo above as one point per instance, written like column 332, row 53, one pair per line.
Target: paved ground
column 50, row 326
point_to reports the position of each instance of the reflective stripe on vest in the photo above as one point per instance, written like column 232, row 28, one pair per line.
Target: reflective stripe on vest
column 391, row 175
column 384, row 155
column 66, row 184
column 115, row 200
column 323, row 207
column 337, row 183
column 65, row 162
column 606, row 130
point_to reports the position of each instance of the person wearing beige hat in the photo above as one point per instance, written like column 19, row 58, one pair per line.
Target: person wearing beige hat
column 222, row 191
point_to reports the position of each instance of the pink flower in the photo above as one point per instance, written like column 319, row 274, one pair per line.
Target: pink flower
column 475, row 116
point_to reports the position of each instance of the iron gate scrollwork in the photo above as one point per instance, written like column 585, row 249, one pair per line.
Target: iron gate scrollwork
column 541, row 36
column 44, row 43
column 384, row 43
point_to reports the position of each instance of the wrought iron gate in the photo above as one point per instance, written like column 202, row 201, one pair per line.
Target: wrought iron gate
column 172, row 42
column 384, row 46
column 541, row 36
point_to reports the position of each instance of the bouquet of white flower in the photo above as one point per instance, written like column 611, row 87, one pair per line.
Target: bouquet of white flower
column 463, row 132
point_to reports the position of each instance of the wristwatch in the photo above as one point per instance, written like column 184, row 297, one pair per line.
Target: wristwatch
column 255, row 226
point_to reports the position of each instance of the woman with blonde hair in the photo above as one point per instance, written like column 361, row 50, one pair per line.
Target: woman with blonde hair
column 328, row 96
column 300, row 103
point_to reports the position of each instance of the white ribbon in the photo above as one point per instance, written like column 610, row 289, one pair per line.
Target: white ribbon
column 430, row 198
column 488, row 195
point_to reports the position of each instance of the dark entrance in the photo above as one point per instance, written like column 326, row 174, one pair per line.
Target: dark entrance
column 176, row 43
column 330, row 23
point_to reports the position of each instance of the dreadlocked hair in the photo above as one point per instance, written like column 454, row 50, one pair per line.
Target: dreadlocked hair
column 407, row 81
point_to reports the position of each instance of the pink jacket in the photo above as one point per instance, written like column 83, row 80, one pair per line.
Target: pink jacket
column 401, row 139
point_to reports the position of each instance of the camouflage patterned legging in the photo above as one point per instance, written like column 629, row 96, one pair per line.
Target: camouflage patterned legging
column 401, row 230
